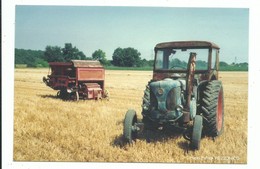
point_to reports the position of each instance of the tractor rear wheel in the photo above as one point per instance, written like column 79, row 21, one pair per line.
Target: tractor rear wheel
column 212, row 108
column 146, row 100
column 196, row 132
column 146, row 108
column 130, row 133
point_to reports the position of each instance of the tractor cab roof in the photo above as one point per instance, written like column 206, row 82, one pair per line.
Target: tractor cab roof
column 186, row 44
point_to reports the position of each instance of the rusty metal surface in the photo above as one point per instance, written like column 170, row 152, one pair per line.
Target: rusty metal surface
column 77, row 63
column 76, row 73
column 90, row 73
column 187, row 44
column 86, row 63
column 93, row 90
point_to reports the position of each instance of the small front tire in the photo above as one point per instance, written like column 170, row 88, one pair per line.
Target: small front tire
column 130, row 134
column 196, row 133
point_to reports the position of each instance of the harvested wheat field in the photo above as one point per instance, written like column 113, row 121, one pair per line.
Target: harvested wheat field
column 49, row 129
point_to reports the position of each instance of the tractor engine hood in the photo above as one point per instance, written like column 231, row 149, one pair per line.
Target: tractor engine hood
column 167, row 96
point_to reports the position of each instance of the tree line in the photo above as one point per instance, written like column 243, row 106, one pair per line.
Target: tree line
column 122, row 57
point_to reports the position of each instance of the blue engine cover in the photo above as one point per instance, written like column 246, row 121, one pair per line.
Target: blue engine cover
column 161, row 90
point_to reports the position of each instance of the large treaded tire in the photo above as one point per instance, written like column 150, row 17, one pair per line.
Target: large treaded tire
column 146, row 109
column 212, row 108
column 130, row 119
column 146, row 100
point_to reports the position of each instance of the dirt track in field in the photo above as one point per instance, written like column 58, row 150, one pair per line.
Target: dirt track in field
column 49, row 129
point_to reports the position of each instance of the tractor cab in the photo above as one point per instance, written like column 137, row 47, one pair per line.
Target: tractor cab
column 187, row 63
column 174, row 59
column 184, row 89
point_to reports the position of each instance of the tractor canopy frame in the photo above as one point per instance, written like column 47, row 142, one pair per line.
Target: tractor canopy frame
column 209, row 50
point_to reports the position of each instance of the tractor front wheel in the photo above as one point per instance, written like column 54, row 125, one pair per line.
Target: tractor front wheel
column 130, row 133
column 196, row 132
column 212, row 108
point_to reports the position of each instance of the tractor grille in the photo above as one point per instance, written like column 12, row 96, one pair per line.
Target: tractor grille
column 172, row 98
column 165, row 95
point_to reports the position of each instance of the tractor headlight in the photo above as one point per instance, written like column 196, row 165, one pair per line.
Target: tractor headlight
column 160, row 91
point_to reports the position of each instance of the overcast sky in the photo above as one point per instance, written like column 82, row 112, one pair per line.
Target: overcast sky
column 106, row 28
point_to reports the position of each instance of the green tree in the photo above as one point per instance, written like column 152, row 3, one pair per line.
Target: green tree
column 32, row 58
column 146, row 63
column 53, row 54
column 223, row 64
column 101, row 56
column 69, row 53
column 201, row 64
column 127, row 57
column 117, row 57
column 66, row 54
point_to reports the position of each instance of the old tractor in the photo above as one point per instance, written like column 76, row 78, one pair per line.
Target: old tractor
column 184, row 93
column 77, row 79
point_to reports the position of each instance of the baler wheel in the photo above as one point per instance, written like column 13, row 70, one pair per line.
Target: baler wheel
column 106, row 94
column 196, row 132
column 130, row 133
column 58, row 94
column 75, row 96
column 63, row 94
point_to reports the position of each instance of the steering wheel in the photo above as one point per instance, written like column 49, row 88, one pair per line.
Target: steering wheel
column 176, row 67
